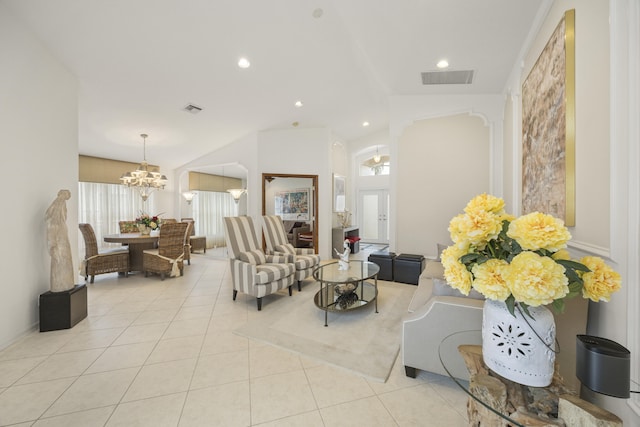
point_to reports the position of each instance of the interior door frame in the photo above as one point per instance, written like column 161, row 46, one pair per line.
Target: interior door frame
column 268, row 177
column 384, row 194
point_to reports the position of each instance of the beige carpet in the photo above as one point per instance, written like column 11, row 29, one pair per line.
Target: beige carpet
column 360, row 340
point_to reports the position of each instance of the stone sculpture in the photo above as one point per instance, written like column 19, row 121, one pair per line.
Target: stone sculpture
column 61, row 277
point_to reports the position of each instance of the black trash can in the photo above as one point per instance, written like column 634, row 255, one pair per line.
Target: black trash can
column 407, row 268
column 384, row 259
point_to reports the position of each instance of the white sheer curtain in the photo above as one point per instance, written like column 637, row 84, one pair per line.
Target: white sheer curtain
column 209, row 210
column 104, row 205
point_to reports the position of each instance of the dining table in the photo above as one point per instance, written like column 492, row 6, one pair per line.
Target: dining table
column 137, row 243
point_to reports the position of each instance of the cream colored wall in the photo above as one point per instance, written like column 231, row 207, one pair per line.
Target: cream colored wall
column 39, row 134
column 441, row 164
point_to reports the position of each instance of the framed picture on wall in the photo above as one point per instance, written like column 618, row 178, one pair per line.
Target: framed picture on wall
column 339, row 193
column 548, row 127
column 293, row 205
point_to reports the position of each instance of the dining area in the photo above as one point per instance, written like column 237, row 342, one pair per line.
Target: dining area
column 154, row 247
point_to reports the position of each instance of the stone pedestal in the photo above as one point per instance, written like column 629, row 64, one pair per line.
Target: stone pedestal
column 63, row 310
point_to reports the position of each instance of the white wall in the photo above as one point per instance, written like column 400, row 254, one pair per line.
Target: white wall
column 39, row 138
column 441, row 164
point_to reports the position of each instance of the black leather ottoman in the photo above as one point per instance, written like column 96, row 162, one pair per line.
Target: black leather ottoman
column 407, row 268
column 384, row 259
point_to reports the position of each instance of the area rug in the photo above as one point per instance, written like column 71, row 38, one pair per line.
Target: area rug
column 360, row 340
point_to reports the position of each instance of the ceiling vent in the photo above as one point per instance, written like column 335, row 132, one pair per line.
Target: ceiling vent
column 193, row 109
column 462, row 77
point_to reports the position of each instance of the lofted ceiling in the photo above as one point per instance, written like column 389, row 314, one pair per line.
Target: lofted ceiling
column 140, row 62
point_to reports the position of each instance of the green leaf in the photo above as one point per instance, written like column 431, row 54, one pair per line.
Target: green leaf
column 575, row 286
column 558, row 305
column 525, row 308
column 511, row 304
column 573, row 265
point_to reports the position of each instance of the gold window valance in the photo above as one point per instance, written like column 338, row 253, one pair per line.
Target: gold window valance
column 207, row 182
column 105, row 171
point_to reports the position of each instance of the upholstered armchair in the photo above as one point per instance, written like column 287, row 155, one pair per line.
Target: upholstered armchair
column 96, row 262
column 168, row 258
column 275, row 236
column 252, row 271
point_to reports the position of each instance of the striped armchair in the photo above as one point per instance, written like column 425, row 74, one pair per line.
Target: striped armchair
column 252, row 271
column 275, row 236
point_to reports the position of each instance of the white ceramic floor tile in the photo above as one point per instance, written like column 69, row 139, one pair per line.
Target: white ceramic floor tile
column 196, row 300
column 141, row 333
column 194, row 312
column 368, row 412
column 12, row 370
column 165, row 303
column 308, row 419
column 269, row 360
column 279, row 396
column 216, row 342
column 36, row 344
column 91, row 339
column 227, row 405
column 221, row 368
column 155, row 316
column 186, row 328
column 160, row 379
column 18, row 403
column 397, row 379
column 62, row 365
column 227, row 322
column 122, row 356
column 109, row 321
column 93, row 391
column 91, row 418
column 176, row 349
column 163, row 411
column 421, row 406
column 332, row 386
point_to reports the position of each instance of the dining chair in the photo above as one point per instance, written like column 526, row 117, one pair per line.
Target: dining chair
column 187, row 241
column 198, row 243
column 101, row 262
column 168, row 258
column 277, row 242
column 252, row 271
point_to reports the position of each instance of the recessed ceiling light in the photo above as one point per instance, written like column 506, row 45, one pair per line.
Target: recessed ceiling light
column 365, row 124
column 443, row 63
column 298, row 104
column 317, row 13
column 295, row 124
column 244, row 63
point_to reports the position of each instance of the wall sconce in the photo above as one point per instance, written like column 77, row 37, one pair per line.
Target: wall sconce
column 188, row 196
column 236, row 193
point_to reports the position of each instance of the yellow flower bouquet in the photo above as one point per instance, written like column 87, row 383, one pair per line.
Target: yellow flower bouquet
column 520, row 260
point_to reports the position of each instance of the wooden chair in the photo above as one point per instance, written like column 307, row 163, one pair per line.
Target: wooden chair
column 168, row 257
column 187, row 242
column 275, row 236
column 198, row 243
column 96, row 262
column 252, row 271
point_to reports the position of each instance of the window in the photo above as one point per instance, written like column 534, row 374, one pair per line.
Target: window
column 209, row 210
column 104, row 205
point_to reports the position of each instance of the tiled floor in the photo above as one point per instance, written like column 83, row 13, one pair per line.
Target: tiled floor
column 163, row 353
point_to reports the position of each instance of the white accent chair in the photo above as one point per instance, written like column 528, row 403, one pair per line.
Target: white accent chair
column 275, row 236
column 253, row 272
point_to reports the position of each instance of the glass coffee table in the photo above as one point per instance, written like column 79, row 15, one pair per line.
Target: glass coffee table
column 343, row 290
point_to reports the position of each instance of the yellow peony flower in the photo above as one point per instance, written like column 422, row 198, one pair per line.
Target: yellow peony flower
column 476, row 228
column 561, row 254
column 536, row 280
column 485, row 203
column 451, row 255
column 458, row 277
column 601, row 281
column 489, row 279
column 539, row 231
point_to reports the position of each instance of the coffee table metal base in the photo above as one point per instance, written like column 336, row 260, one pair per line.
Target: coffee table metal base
column 331, row 297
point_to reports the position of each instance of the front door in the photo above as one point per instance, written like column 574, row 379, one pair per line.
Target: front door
column 373, row 214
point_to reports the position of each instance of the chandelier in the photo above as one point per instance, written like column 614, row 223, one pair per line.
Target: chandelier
column 144, row 180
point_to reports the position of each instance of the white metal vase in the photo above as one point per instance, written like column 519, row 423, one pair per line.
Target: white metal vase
column 513, row 347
